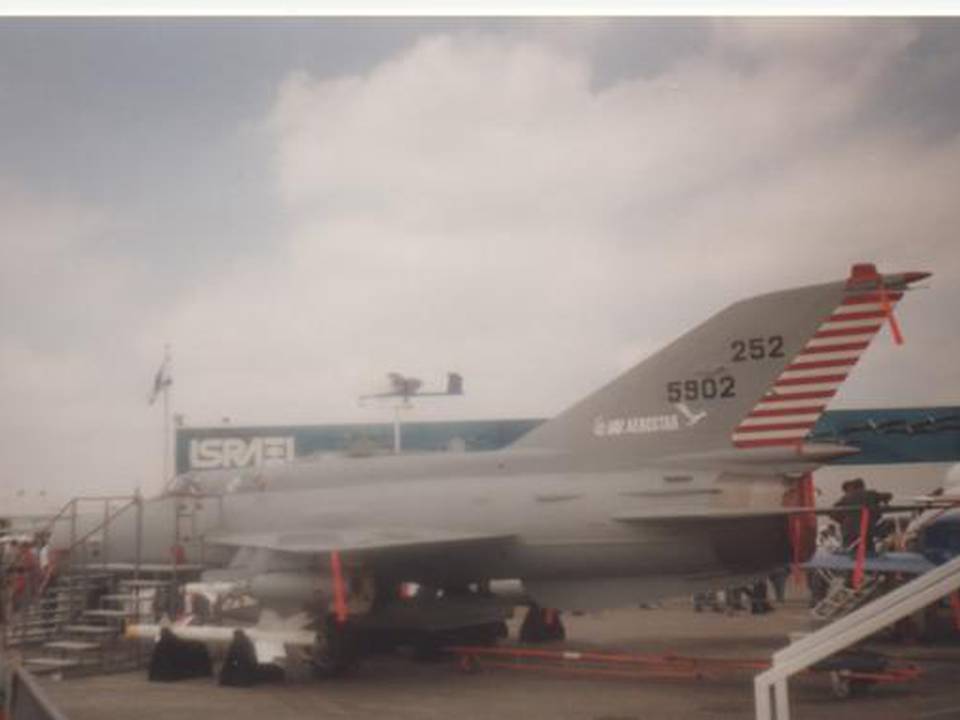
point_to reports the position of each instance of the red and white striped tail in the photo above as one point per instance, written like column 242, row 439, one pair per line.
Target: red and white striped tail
column 793, row 404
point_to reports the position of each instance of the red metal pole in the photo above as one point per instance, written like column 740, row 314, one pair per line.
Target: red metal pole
column 888, row 311
column 796, row 535
column 803, row 527
column 955, row 606
column 339, row 594
column 861, row 548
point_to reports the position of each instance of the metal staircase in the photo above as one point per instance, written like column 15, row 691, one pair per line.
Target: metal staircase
column 45, row 617
column 841, row 598
column 76, row 623
column 771, row 696
column 94, row 640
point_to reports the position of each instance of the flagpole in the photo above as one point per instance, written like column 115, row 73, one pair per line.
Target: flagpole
column 166, row 416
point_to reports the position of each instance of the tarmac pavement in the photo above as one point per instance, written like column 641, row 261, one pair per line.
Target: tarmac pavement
column 398, row 687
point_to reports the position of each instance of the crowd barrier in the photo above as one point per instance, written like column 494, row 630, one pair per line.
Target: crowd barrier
column 26, row 700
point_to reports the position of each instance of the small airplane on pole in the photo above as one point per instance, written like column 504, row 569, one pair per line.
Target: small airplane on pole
column 404, row 388
column 689, row 471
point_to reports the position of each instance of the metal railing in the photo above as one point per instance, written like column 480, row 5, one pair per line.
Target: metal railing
column 71, row 511
column 67, row 560
column 770, row 687
column 74, row 556
column 103, row 528
column 26, row 700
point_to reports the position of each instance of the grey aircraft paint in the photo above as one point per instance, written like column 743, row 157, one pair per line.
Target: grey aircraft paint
column 567, row 507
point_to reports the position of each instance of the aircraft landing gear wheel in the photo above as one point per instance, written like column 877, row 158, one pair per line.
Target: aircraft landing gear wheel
column 541, row 626
column 533, row 630
column 555, row 629
column 469, row 664
column 338, row 649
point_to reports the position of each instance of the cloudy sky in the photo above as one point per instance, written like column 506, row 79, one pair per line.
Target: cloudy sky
column 300, row 206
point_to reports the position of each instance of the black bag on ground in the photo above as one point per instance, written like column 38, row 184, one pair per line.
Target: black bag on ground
column 240, row 668
column 177, row 659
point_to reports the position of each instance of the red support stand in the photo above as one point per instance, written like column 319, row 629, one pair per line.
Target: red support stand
column 861, row 548
column 339, row 590
column 802, row 526
column 955, row 606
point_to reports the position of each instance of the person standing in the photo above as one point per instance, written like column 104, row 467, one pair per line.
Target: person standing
column 48, row 566
column 29, row 571
column 43, row 556
column 16, row 577
column 856, row 497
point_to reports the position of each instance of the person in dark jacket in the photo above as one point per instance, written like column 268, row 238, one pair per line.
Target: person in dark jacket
column 855, row 497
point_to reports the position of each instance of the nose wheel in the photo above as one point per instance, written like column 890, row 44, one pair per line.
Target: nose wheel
column 542, row 625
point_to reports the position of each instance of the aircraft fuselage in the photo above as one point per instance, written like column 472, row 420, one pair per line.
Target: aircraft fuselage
column 562, row 519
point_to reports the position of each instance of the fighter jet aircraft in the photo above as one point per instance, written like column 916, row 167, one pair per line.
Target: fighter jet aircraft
column 670, row 479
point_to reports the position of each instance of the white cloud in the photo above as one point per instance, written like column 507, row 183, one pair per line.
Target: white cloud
column 832, row 46
column 43, row 247
column 474, row 203
column 72, row 391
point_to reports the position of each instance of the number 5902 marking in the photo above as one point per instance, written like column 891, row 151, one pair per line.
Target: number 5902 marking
column 702, row 389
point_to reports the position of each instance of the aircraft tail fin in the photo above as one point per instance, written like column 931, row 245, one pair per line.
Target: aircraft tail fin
column 757, row 374
column 796, row 399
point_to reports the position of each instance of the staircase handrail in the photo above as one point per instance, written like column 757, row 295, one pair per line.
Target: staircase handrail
column 68, row 506
column 133, row 501
column 862, row 622
column 111, row 516
column 51, row 523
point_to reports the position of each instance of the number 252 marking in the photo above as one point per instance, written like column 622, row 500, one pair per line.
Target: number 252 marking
column 757, row 348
